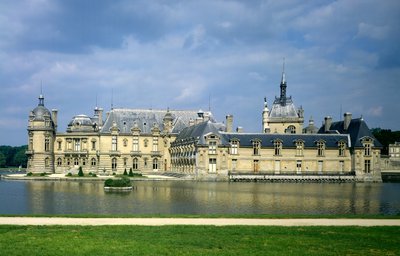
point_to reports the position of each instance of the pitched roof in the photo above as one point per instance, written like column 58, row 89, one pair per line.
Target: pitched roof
column 357, row 130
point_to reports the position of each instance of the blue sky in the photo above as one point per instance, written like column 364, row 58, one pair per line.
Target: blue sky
column 185, row 54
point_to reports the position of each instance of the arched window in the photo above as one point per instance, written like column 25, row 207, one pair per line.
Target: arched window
column 46, row 162
column 155, row 164
column 59, row 161
column 277, row 147
column 114, row 164
column 76, row 161
column 135, row 164
column 93, row 162
column 291, row 129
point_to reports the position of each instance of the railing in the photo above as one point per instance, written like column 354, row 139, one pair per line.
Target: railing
column 156, row 153
column 136, row 153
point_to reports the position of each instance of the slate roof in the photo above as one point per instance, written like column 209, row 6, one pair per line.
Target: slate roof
column 288, row 110
column 146, row 118
column 357, row 130
column 198, row 132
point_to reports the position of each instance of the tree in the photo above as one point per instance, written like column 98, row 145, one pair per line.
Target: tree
column 20, row 158
column 80, row 173
column 2, row 160
column 386, row 137
column 130, row 172
column 125, row 173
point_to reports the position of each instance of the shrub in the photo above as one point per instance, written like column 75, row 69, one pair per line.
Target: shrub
column 43, row 174
column 114, row 173
column 94, row 175
column 125, row 173
column 69, row 174
column 130, row 172
column 29, row 174
column 122, row 182
column 80, row 173
column 90, row 173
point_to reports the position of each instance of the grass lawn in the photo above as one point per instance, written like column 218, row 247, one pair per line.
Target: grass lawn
column 198, row 240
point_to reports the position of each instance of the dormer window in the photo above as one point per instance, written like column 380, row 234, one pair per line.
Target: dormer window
column 299, row 147
column 277, row 147
column 234, row 147
column 342, row 148
column 256, row 147
column 320, row 148
column 212, row 147
column 291, row 129
column 367, row 143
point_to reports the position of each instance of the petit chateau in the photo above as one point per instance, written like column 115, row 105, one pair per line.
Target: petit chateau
column 195, row 144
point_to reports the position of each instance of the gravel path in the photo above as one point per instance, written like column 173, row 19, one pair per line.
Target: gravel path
column 195, row 221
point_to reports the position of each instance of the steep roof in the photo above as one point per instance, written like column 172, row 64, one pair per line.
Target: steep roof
column 145, row 119
column 357, row 130
column 198, row 132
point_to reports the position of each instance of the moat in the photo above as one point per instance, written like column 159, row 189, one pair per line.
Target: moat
column 190, row 197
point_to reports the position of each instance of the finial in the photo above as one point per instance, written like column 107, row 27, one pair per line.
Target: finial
column 112, row 99
column 283, row 72
column 41, row 98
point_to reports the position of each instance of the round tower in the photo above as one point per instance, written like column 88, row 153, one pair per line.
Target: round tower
column 41, row 136
column 265, row 117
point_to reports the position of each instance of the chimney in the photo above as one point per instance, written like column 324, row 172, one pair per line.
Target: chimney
column 346, row 120
column 100, row 113
column 229, row 123
column 328, row 122
column 54, row 117
column 239, row 129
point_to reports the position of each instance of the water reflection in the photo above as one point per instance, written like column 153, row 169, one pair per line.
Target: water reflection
column 173, row 197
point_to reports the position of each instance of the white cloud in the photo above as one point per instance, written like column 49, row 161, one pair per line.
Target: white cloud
column 376, row 111
column 372, row 31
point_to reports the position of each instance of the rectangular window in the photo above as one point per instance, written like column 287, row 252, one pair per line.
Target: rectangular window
column 320, row 166
column 77, row 143
column 298, row 166
column 47, row 144
column 256, row 148
column 299, row 148
column 155, row 143
column 277, row 148
column 212, row 147
column 234, row 147
column 212, row 166
column 342, row 148
column 135, row 143
column 93, row 145
column 256, row 166
column 321, row 148
column 234, row 164
column 367, row 166
column 341, row 166
column 59, row 145
column 277, row 166
column 367, row 149
column 114, row 143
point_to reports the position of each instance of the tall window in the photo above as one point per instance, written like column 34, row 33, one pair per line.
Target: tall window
column 46, row 162
column 342, row 148
column 135, row 165
column 320, row 166
column 114, row 164
column 155, row 143
column 212, row 147
column 320, row 148
column 59, row 145
column 30, row 144
column 59, row 161
column 277, row 147
column 234, row 147
column 367, row 166
column 93, row 161
column 125, row 161
column 212, row 165
column 76, row 161
column 114, row 143
column 135, row 143
column 155, row 164
column 367, row 149
column 234, row 164
column 83, row 161
column 341, row 166
column 299, row 148
column 47, row 144
column 291, row 129
column 94, row 145
column 77, row 143
column 256, row 147
column 256, row 166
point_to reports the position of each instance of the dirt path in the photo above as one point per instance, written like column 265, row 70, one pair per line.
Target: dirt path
column 195, row 221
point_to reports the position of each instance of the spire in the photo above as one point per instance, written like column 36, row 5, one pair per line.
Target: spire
column 41, row 98
column 283, row 85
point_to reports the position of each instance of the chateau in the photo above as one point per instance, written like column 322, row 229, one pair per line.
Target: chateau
column 195, row 144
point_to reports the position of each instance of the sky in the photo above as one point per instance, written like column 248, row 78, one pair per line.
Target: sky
column 340, row 56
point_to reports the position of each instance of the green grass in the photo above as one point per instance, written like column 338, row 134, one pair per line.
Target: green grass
column 198, row 240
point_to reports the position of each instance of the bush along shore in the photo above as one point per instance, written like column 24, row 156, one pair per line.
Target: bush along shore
column 121, row 184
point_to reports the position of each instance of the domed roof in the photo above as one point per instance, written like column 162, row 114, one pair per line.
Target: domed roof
column 40, row 113
column 81, row 120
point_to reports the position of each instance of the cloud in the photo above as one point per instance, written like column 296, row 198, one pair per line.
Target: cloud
column 375, row 111
column 372, row 31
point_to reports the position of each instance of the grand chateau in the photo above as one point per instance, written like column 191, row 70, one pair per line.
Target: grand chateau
column 195, row 144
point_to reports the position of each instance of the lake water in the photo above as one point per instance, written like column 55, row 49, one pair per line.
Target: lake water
column 190, row 197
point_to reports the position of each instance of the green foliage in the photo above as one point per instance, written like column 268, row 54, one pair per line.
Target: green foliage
column 94, row 175
column 29, row 174
column 130, row 172
column 122, row 182
column 14, row 156
column 385, row 137
column 69, row 174
column 2, row 160
column 43, row 174
column 125, row 173
column 80, row 172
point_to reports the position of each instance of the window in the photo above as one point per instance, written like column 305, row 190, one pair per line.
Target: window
column 367, row 149
column 277, row 147
column 146, row 142
column 277, row 166
column 47, row 144
column 76, row 161
column 256, row 166
column 30, row 144
column 93, row 145
column 84, row 161
column 298, row 166
column 320, row 166
column 46, row 162
column 59, row 145
column 320, row 148
column 155, row 143
column 68, row 162
column 125, row 161
column 212, row 165
column 342, row 148
column 291, row 129
column 114, row 164
column 155, row 164
column 299, row 148
column 114, row 143
column 234, row 147
column 135, row 144
column 59, row 161
column 125, row 142
column 256, row 148
column 212, row 147
column 367, row 166
column 341, row 166
column 234, row 164
column 77, row 143
column 93, row 161
column 135, row 165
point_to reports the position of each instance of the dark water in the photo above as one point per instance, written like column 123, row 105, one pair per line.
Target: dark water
column 182, row 197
